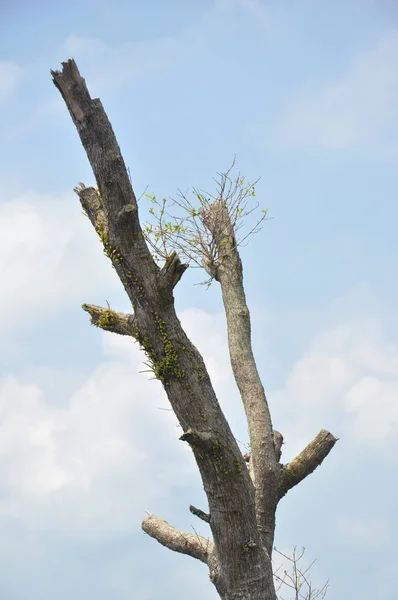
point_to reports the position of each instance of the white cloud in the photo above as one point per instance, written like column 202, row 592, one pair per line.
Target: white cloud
column 206, row 331
column 60, row 466
column 49, row 260
column 209, row 333
column 77, row 466
column 373, row 403
column 347, row 382
column 358, row 108
column 10, row 76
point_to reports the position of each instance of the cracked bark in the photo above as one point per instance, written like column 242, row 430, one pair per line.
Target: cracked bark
column 241, row 504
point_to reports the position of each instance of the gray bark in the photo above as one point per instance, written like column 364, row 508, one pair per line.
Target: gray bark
column 242, row 501
column 264, row 461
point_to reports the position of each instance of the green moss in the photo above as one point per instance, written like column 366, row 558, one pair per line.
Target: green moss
column 102, row 229
column 200, row 374
column 149, row 351
column 218, row 452
column 137, row 285
column 169, row 364
column 113, row 254
column 107, row 319
column 238, row 464
column 146, row 346
column 219, row 457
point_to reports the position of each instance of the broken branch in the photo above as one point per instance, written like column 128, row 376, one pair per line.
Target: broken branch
column 195, row 438
column 278, row 441
column 172, row 271
column 170, row 537
column 200, row 514
column 110, row 320
column 307, row 461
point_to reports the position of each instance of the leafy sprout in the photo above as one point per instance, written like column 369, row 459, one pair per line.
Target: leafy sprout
column 188, row 235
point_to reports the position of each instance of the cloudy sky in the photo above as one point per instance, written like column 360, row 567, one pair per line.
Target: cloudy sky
column 305, row 93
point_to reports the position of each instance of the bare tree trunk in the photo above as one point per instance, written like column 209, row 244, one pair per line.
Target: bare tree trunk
column 265, row 466
column 242, row 501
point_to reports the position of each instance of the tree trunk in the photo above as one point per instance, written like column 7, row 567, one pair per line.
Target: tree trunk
column 242, row 501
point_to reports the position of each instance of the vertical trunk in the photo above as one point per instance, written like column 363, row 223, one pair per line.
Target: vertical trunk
column 259, row 587
column 263, row 463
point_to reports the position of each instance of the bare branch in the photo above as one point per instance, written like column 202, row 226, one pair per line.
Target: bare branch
column 297, row 579
column 110, row 320
column 94, row 209
column 170, row 537
column 200, row 514
column 307, row 461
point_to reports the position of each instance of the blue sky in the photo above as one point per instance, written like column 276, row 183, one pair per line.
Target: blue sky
column 305, row 94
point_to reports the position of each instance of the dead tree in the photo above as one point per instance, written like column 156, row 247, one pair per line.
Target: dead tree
column 241, row 501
